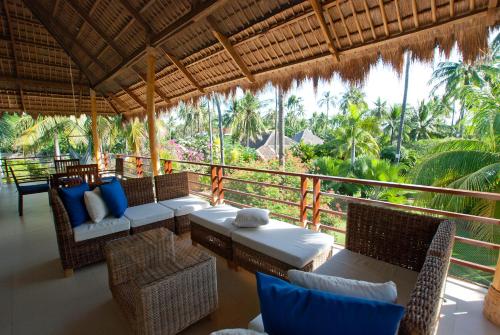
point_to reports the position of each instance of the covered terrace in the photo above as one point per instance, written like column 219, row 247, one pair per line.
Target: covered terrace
column 139, row 59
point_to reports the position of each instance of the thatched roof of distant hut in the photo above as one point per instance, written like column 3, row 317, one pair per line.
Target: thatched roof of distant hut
column 53, row 51
column 306, row 136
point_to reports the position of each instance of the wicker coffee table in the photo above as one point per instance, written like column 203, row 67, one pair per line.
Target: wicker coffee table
column 161, row 283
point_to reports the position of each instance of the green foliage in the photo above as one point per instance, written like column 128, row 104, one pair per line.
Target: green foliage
column 306, row 152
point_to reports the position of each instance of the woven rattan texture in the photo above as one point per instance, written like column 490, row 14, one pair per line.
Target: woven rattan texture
column 170, row 186
column 218, row 243
column 139, row 191
column 391, row 236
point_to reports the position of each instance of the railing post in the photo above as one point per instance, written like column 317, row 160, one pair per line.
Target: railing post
column 106, row 161
column 6, row 169
column 167, row 167
column 303, row 201
column 214, row 183
column 138, row 167
column 316, row 203
column 220, row 186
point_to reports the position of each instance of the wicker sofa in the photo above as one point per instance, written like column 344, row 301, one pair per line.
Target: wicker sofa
column 412, row 250
column 79, row 247
column 143, row 212
column 274, row 248
column 172, row 191
column 84, row 245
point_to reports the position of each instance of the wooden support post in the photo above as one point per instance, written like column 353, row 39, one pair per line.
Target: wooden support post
column 150, row 109
column 492, row 301
column 215, row 184
column 95, row 136
column 138, row 167
column 303, row 201
column 220, row 186
column 316, row 202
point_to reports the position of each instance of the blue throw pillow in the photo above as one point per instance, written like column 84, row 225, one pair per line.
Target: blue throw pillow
column 114, row 197
column 72, row 198
column 289, row 309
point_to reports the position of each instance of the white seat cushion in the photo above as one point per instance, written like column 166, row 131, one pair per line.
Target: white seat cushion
column 106, row 226
column 285, row 242
column 215, row 218
column 257, row 324
column 185, row 205
column 148, row 213
column 348, row 264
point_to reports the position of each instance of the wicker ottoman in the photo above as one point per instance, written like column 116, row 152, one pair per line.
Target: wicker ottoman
column 161, row 283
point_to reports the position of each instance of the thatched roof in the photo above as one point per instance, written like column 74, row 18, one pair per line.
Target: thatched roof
column 306, row 136
column 53, row 51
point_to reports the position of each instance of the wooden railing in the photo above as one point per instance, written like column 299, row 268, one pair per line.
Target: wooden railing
column 28, row 167
column 313, row 204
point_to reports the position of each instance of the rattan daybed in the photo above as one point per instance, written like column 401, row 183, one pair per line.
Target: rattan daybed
column 274, row 248
column 411, row 250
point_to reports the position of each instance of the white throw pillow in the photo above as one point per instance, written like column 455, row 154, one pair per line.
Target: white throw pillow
column 251, row 217
column 96, row 207
column 386, row 292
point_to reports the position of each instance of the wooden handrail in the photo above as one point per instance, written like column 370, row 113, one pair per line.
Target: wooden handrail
column 218, row 189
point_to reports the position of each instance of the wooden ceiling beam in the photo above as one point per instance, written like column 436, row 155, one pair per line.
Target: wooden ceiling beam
column 86, row 18
column 452, row 8
column 356, row 20
column 157, row 90
column 35, row 62
column 318, row 11
column 110, row 104
column 120, row 103
column 56, row 5
column 62, row 37
column 370, row 21
column 40, row 83
column 398, row 14
column 136, row 15
column 229, row 48
column 183, row 69
column 384, row 16
column 133, row 96
column 14, row 53
column 433, row 11
column 415, row 13
column 199, row 11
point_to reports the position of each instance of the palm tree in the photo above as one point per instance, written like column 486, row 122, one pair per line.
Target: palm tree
column 380, row 108
column 221, row 130
column 455, row 76
column 355, row 133
column 426, row 121
column 390, row 121
column 318, row 124
column 353, row 96
column 281, row 129
column 403, row 110
column 294, row 121
column 247, row 124
column 328, row 100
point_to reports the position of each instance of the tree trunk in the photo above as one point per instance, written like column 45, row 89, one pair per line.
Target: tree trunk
column 403, row 110
column 276, row 123
column 353, row 148
column 211, row 138
column 221, row 132
column 327, row 109
column 57, row 149
column 281, row 126
column 460, row 121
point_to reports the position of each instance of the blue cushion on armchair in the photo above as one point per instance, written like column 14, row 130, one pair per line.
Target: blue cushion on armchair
column 114, row 197
column 289, row 309
column 72, row 198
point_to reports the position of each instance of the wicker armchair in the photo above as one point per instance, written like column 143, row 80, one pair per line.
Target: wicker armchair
column 73, row 254
column 139, row 191
column 415, row 242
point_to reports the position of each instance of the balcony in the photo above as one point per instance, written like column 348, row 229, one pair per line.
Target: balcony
column 33, row 283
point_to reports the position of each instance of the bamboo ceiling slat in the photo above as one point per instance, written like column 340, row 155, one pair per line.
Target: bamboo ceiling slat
column 217, row 45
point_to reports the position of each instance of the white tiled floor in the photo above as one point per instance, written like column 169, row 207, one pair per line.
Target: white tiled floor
column 36, row 299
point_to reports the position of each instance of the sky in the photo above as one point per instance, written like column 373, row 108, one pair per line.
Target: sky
column 382, row 82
